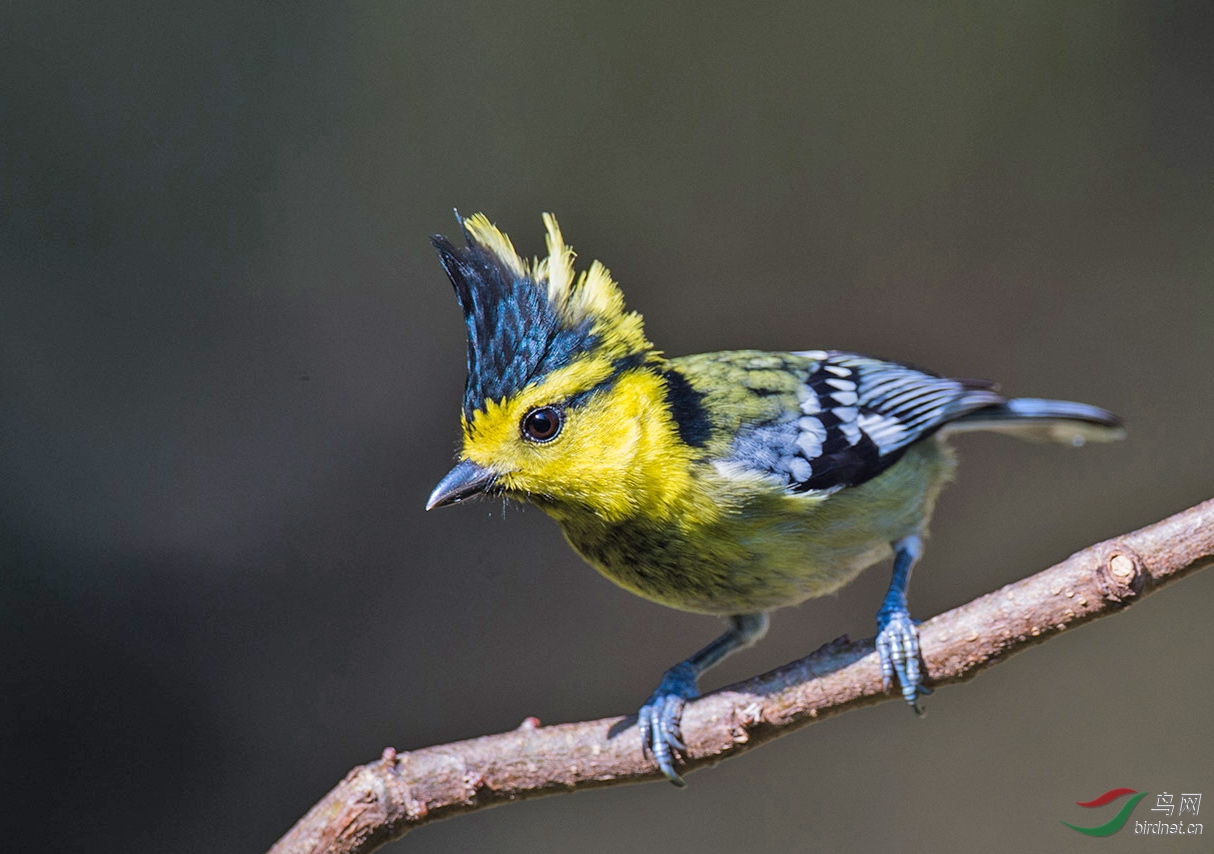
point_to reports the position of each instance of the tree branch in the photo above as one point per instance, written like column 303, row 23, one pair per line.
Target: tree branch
column 384, row 800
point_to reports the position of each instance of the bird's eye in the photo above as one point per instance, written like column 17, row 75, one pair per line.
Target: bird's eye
column 542, row 424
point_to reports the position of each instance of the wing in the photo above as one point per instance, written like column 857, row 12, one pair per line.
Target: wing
column 856, row 416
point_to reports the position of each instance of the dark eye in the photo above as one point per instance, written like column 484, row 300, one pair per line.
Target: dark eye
column 542, row 424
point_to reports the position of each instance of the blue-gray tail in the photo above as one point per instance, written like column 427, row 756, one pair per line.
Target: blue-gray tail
column 1043, row 421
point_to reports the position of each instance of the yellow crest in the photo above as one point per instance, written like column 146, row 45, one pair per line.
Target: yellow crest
column 590, row 296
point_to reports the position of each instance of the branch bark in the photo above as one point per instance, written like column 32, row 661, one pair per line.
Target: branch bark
column 382, row 801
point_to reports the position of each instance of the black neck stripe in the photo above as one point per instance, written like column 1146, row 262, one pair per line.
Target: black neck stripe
column 686, row 404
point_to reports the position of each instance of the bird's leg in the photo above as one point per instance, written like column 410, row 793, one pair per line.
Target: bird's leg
column 660, row 716
column 897, row 635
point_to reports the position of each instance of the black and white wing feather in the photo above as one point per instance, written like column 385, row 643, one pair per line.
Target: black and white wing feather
column 857, row 417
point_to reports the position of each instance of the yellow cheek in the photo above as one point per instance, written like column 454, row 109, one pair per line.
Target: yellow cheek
column 493, row 437
column 592, row 461
column 621, row 456
column 618, row 454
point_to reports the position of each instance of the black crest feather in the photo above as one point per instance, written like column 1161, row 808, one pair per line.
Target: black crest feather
column 515, row 334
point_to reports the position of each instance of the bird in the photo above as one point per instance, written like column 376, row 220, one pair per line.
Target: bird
column 728, row 483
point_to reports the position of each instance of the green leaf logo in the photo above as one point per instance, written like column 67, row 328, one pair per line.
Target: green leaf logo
column 1118, row 821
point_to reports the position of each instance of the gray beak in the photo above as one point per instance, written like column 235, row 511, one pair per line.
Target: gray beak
column 464, row 481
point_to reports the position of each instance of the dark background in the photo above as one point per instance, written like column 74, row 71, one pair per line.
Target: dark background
column 231, row 372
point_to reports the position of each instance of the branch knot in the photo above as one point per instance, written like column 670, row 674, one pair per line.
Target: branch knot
column 1120, row 575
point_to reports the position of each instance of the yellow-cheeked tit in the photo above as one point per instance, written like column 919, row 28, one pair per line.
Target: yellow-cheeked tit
column 724, row 483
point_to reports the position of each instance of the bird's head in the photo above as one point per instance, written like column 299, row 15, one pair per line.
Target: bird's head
column 566, row 401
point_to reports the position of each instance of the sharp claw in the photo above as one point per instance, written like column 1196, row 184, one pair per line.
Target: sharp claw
column 658, row 721
column 898, row 650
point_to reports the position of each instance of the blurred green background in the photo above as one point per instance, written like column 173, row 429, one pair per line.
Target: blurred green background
column 231, row 370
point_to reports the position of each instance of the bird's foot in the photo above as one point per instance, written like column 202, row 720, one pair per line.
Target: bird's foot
column 661, row 715
column 898, row 649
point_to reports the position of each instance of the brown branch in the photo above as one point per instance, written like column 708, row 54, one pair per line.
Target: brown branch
column 384, row 800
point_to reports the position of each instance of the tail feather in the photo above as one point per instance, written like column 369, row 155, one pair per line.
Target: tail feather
column 1044, row 421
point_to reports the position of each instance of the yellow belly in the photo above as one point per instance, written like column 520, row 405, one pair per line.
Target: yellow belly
column 771, row 549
